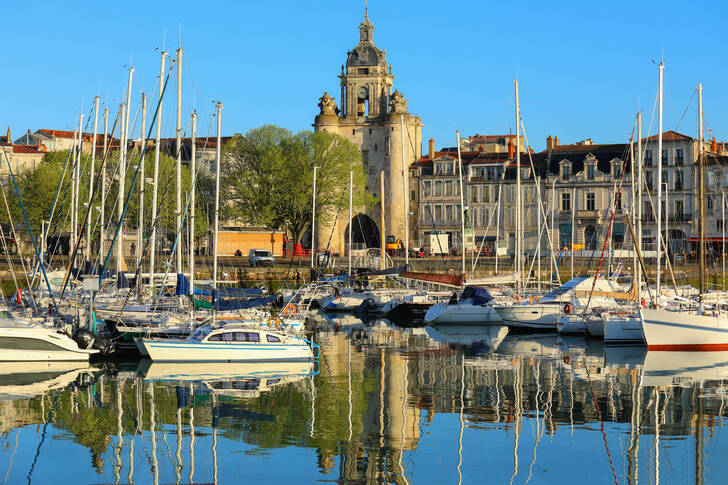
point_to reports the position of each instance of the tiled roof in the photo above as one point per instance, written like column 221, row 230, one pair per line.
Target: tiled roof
column 57, row 133
column 669, row 136
column 26, row 149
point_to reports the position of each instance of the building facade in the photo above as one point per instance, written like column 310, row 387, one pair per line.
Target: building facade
column 377, row 120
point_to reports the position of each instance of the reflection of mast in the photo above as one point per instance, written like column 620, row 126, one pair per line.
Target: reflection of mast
column 404, row 422
column 192, row 436
column 119, row 415
column 214, row 440
column 699, row 440
column 539, row 426
column 178, row 468
column 348, row 347
column 153, row 432
column 636, row 428
column 382, row 369
column 517, row 415
column 462, row 406
column 656, row 442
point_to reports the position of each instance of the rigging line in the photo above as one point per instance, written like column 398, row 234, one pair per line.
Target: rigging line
column 147, row 244
column 22, row 262
column 27, row 223
column 599, row 415
column 42, row 439
column 81, row 234
column 686, row 109
column 133, row 182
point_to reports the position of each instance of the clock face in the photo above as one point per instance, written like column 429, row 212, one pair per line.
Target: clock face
column 363, row 92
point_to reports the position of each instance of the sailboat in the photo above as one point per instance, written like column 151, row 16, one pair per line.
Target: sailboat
column 667, row 329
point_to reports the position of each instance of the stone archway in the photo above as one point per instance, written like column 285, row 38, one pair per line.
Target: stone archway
column 365, row 233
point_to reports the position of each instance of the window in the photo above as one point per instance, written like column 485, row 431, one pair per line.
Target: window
column 648, row 158
column 709, row 203
column 474, row 194
column 272, row 338
column 241, row 337
column 678, row 180
column 590, row 171
column 664, row 156
column 618, row 234
column 413, row 196
column 679, row 156
column 438, row 188
column 486, row 194
column 448, row 213
column 565, row 234
column 253, row 337
column 618, row 203
column 617, row 170
column 438, row 213
column 679, row 209
column 565, row 201
column 222, row 337
column 565, row 172
column 590, row 201
column 448, row 187
column 426, row 185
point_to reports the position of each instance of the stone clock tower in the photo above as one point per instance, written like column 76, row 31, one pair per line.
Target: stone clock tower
column 372, row 116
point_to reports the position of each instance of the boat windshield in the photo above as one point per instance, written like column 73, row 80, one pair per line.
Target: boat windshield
column 201, row 333
column 566, row 287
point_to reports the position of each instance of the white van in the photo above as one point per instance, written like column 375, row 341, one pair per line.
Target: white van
column 261, row 257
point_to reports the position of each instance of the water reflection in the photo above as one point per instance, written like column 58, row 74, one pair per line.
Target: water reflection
column 415, row 405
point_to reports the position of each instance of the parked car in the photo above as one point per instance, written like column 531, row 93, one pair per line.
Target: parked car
column 261, row 257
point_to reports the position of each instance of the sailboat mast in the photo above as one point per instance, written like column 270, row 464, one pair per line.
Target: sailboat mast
column 553, row 214
column 639, row 204
column 193, row 171
column 217, row 196
column 701, row 201
column 573, row 221
column 102, row 224
column 462, row 202
column 518, row 188
column 77, row 179
column 178, row 150
column 122, row 173
column 659, row 180
column 382, row 240
column 405, row 204
column 91, row 177
column 351, row 224
column 497, row 225
column 140, row 225
column 153, row 235
column 313, row 221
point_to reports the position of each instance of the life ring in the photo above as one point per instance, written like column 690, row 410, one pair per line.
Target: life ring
column 533, row 299
column 567, row 309
column 516, row 298
column 273, row 322
column 290, row 309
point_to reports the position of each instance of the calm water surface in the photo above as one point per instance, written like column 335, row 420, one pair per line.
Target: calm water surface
column 422, row 405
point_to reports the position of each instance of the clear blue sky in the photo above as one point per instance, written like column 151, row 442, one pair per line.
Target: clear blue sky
column 584, row 67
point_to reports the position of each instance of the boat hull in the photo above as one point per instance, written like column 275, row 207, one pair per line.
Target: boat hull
column 624, row 330
column 180, row 351
column 534, row 316
column 462, row 313
column 671, row 330
column 31, row 345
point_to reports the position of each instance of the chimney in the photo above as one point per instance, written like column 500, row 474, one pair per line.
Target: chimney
column 38, row 144
column 511, row 152
column 9, row 141
column 556, row 141
column 550, row 143
column 530, row 150
column 713, row 145
column 431, row 147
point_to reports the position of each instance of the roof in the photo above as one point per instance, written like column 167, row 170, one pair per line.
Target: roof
column 57, row 133
column 26, row 149
column 669, row 135
column 576, row 153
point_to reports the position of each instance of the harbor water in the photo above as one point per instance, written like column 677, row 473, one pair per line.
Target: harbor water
column 383, row 405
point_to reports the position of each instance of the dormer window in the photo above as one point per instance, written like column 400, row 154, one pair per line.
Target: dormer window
column 565, row 171
column 590, row 171
column 616, row 169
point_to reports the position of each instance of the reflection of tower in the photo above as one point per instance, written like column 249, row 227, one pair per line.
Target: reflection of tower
column 370, row 116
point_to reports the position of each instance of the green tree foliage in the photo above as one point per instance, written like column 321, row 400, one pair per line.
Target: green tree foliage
column 38, row 187
column 267, row 177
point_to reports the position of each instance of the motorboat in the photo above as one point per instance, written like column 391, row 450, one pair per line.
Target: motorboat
column 23, row 380
column 543, row 313
column 32, row 341
column 232, row 342
column 486, row 336
column 471, row 307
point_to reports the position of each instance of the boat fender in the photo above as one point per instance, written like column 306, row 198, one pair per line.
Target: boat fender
column 516, row 298
column 567, row 309
column 290, row 309
column 84, row 338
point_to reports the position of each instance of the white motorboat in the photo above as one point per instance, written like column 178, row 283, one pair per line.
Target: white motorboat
column 23, row 380
column 230, row 343
column 219, row 371
column 25, row 341
column 470, row 308
column 488, row 335
column 677, row 330
column 571, row 296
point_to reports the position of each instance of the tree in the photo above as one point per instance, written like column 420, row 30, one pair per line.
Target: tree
column 267, row 177
column 38, row 187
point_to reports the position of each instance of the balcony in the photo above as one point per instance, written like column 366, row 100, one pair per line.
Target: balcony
column 587, row 214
